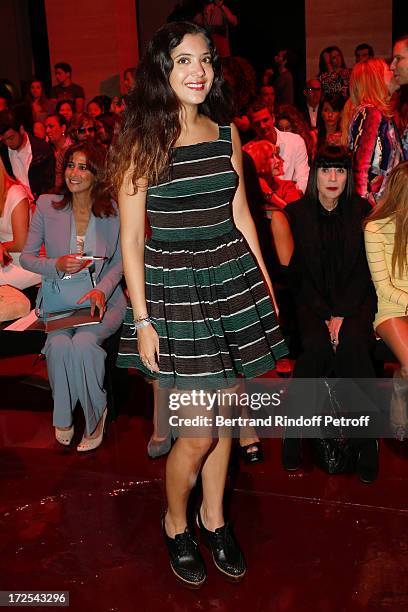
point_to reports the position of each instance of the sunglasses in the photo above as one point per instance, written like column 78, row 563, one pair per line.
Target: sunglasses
column 86, row 130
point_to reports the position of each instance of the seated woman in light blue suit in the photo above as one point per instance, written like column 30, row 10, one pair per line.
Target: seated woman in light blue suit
column 82, row 220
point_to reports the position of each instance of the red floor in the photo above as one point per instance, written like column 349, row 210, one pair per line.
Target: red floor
column 90, row 524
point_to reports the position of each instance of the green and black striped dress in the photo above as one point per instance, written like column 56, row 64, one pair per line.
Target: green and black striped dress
column 205, row 294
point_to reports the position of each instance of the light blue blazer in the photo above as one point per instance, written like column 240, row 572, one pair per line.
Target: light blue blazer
column 52, row 228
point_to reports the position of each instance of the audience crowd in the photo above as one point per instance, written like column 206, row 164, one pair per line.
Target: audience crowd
column 351, row 128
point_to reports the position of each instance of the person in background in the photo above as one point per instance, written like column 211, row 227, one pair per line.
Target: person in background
column 372, row 135
column 83, row 128
column 267, row 96
column 292, row 147
column 285, row 61
column 337, row 80
column 363, row 52
column 217, row 18
column 289, row 119
column 129, row 78
column 15, row 214
column 399, row 68
column 312, row 95
column 241, row 79
column 81, row 220
column 324, row 61
column 94, row 108
column 65, row 89
column 39, row 130
column 269, row 166
column 40, row 105
column 66, row 109
column 107, row 126
column 98, row 106
column 26, row 158
column 118, row 105
column 329, row 120
column 56, row 131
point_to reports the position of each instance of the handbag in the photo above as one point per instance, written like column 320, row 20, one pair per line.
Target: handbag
column 61, row 294
column 337, row 454
column 13, row 303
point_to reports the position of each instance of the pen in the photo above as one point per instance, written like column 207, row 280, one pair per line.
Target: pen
column 90, row 257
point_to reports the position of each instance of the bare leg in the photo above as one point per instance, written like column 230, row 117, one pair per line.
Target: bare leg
column 160, row 420
column 394, row 332
column 182, row 468
column 214, row 475
column 186, row 459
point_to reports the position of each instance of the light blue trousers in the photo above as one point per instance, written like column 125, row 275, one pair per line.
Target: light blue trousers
column 76, row 370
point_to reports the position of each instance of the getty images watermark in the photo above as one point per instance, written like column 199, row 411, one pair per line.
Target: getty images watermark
column 209, row 401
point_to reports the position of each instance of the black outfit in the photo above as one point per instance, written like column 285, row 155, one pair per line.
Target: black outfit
column 329, row 276
column 41, row 173
column 303, row 108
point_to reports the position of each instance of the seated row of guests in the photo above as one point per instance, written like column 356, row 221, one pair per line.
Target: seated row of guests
column 327, row 271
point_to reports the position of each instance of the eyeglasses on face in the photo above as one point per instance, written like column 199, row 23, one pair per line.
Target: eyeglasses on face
column 86, row 130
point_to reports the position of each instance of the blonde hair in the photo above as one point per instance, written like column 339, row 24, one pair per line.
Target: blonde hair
column 367, row 85
column 346, row 117
column 394, row 205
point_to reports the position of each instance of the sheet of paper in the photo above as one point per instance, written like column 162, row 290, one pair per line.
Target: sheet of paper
column 22, row 323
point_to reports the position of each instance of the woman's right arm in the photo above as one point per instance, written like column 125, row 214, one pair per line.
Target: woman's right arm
column 282, row 237
column 132, row 211
column 30, row 259
column 375, row 250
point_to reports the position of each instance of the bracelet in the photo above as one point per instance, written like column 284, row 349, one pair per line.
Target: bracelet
column 141, row 317
column 143, row 323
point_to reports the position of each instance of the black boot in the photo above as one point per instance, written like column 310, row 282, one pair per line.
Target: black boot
column 185, row 558
column 367, row 461
column 225, row 550
column 291, row 454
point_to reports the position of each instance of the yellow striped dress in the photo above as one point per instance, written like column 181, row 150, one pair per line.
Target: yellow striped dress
column 392, row 292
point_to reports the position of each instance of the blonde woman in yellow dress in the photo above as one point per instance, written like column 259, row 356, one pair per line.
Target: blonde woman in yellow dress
column 386, row 238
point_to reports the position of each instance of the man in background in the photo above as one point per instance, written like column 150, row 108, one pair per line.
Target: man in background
column 65, row 89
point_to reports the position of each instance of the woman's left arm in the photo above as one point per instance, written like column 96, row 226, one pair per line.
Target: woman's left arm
column 242, row 217
column 110, row 280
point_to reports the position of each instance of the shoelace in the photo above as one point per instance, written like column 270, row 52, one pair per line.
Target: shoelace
column 222, row 537
column 185, row 543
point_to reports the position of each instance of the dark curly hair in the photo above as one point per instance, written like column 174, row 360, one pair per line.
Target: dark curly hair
column 102, row 205
column 152, row 115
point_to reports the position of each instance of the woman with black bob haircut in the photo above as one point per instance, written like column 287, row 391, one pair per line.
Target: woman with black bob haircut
column 202, row 314
column 331, row 283
column 80, row 232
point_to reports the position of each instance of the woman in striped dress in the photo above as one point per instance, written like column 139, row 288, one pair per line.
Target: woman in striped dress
column 201, row 311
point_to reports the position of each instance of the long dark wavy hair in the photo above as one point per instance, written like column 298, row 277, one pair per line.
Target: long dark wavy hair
column 102, row 205
column 152, row 115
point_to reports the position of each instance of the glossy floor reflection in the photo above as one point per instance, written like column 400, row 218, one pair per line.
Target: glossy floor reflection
column 89, row 524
